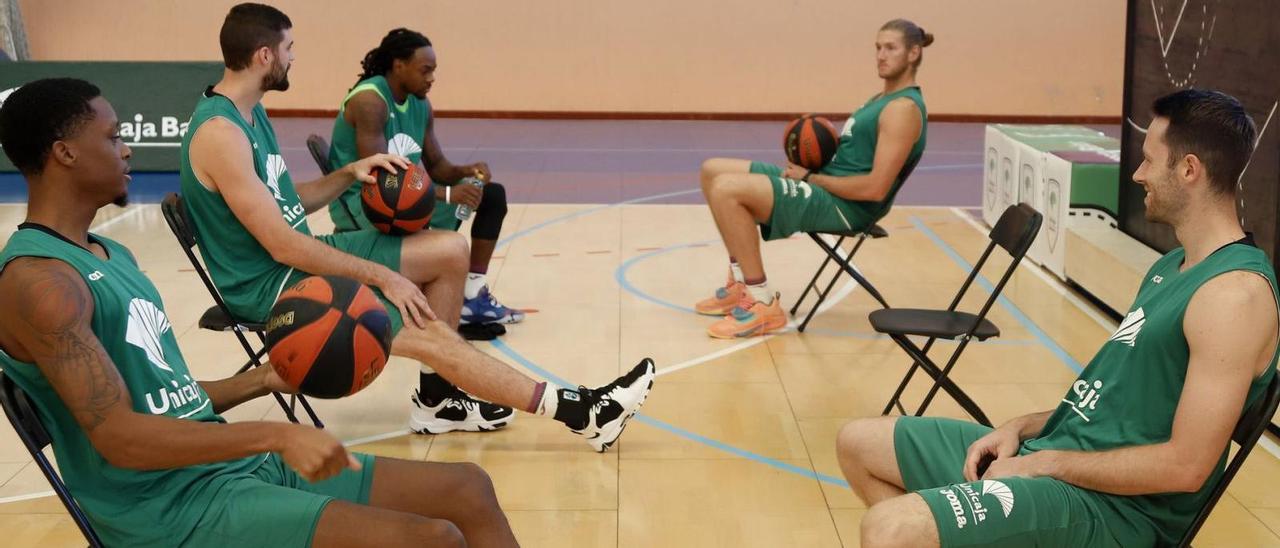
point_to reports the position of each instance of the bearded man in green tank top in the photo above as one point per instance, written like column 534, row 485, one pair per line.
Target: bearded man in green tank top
column 879, row 146
column 1130, row 455
column 140, row 443
column 251, row 225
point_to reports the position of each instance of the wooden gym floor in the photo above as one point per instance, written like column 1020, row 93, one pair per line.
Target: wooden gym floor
column 735, row 446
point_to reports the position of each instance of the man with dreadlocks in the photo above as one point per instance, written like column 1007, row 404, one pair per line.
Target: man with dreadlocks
column 388, row 111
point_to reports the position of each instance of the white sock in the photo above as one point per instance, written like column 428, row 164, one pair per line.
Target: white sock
column 761, row 292
column 550, row 401
column 475, row 282
column 737, row 272
column 427, row 370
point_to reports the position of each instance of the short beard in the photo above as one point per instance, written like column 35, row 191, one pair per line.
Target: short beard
column 276, row 81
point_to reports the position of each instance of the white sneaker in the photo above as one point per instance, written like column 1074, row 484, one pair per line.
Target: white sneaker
column 613, row 405
column 458, row 411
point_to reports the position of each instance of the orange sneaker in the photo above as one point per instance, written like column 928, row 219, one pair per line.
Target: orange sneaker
column 750, row 318
column 725, row 299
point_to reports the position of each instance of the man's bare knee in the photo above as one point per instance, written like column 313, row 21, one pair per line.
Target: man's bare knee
column 476, row 493
column 437, row 532
column 901, row 521
column 857, row 436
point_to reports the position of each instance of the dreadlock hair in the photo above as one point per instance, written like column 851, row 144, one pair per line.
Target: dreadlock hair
column 398, row 44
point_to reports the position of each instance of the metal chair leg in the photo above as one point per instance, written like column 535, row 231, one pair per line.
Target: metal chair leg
column 813, row 282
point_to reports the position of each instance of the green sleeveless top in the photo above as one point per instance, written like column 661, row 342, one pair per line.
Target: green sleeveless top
column 856, row 151
column 245, row 273
column 1128, row 393
column 405, row 128
column 127, row 507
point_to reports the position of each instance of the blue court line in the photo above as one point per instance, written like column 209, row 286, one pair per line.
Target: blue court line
column 555, row 220
column 621, row 276
column 511, row 353
column 1008, row 305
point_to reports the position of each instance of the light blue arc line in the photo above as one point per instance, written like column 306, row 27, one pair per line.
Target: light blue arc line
column 1009, row 306
column 511, row 353
column 621, row 276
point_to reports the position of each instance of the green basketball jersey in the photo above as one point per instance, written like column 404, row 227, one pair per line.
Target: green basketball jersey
column 127, row 507
column 1129, row 392
column 246, row 275
column 405, row 128
column 856, row 151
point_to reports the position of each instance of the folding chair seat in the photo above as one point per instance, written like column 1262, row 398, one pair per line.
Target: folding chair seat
column 1014, row 232
column 1249, row 429
column 218, row 317
column 844, row 264
column 22, row 415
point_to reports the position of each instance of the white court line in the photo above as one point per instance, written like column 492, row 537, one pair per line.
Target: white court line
column 378, row 437
column 112, row 221
column 28, row 496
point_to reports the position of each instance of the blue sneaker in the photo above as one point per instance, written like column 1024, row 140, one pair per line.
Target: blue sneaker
column 484, row 308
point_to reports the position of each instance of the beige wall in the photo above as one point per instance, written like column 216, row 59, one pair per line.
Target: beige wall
column 1010, row 57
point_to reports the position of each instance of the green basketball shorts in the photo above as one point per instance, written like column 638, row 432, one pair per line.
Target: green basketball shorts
column 802, row 207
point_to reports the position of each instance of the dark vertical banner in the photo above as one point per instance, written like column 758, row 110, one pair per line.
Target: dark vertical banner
column 1228, row 45
column 153, row 100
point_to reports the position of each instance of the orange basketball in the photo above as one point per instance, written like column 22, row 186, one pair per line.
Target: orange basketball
column 810, row 141
column 400, row 202
column 328, row 336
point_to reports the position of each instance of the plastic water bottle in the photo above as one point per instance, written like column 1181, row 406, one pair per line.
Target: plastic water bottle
column 464, row 212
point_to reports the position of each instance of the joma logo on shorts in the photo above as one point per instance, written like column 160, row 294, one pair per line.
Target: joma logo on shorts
column 956, row 508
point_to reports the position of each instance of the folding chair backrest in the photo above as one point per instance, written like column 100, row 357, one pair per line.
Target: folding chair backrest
column 319, row 149
column 22, row 415
column 1252, row 424
column 1014, row 232
column 175, row 214
column 1017, row 229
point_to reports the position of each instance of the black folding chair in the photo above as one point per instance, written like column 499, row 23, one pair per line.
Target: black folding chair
column 218, row 317
column 1248, row 430
column 22, row 415
column 1014, row 232
column 845, row 265
column 319, row 149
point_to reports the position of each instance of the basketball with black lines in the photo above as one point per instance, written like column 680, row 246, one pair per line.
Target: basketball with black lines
column 810, row 141
column 400, row 202
column 328, row 336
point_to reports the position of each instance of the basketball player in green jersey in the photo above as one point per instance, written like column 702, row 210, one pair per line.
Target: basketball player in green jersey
column 1130, row 455
column 251, row 225
column 881, row 143
column 139, row 442
column 388, row 111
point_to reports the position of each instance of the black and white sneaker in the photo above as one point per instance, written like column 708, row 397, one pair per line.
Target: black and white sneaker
column 611, row 406
column 458, row 411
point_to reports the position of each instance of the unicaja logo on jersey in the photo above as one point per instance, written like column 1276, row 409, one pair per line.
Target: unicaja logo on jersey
column 275, row 169
column 848, row 127
column 1128, row 331
column 147, row 323
column 1087, row 396
column 403, row 145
